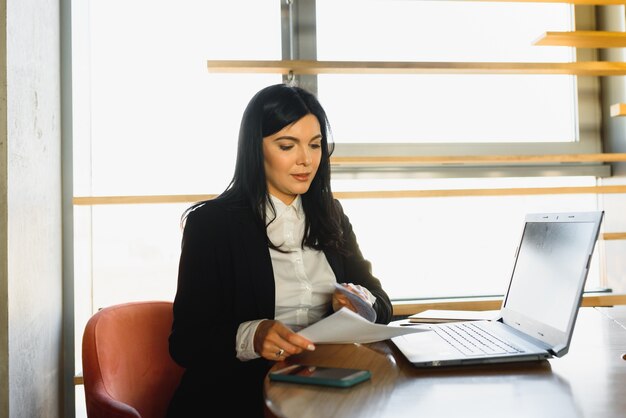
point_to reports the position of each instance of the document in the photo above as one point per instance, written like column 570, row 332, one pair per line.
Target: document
column 432, row 316
column 345, row 326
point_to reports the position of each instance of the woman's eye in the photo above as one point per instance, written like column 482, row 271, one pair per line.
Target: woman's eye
column 285, row 147
column 316, row 146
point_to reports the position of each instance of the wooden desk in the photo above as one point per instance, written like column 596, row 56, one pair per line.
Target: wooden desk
column 589, row 381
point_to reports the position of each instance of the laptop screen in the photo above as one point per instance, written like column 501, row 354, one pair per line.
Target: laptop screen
column 550, row 271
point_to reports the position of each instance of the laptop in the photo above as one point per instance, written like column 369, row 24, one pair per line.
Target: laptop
column 539, row 309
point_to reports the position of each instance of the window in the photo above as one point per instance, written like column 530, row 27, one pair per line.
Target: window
column 159, row 123
column 150, row 120
column 451, row 246
column 445, row 108
column 438, row 247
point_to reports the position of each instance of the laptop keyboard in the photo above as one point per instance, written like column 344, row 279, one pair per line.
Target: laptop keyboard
column 472, row 340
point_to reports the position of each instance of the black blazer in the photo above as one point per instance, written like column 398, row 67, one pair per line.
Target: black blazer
column 225, row 278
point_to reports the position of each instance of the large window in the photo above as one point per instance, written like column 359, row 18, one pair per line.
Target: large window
column 154, row 121
column 151, row 120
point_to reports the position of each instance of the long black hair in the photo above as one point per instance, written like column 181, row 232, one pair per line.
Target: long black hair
column 269, row 111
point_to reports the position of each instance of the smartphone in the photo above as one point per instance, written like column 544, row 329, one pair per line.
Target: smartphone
column 319, row 375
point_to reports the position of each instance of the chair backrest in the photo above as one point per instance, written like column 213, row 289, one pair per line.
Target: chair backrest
column 127, row 369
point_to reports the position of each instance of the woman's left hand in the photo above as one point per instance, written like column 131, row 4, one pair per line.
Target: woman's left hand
column 342, row 301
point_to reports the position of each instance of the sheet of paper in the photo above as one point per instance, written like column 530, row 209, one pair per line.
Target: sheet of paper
column 446, row 315
column 345, row 326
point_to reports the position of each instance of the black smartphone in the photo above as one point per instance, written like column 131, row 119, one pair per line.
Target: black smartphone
column 319, row 375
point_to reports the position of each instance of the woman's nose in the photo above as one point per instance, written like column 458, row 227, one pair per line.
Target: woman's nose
column 304, row 157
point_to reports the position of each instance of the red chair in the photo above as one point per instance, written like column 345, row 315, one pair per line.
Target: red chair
column 127, row 369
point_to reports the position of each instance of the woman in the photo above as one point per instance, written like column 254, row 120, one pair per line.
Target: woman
column 260, row 261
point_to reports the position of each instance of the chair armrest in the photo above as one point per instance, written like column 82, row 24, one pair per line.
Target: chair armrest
column 101, row 405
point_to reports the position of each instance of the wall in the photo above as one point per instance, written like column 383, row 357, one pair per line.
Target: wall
column 30, row 221
column 4, row 317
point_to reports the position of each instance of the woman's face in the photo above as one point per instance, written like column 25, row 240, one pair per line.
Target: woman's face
column 292, row 157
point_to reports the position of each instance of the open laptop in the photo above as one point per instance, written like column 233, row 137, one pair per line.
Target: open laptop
column 539, row 309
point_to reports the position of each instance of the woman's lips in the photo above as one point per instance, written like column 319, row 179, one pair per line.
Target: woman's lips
column 301, row 177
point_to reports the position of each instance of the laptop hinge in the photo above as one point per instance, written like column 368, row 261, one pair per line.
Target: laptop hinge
column 558, row 350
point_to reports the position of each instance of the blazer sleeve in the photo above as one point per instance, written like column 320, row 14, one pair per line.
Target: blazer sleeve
column 358, row 270
column 201, row 304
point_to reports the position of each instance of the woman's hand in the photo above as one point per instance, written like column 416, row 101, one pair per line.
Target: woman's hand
column 340, row 300
column 274, row 341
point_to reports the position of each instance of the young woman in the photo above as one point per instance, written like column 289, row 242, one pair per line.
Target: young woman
column 260, row 261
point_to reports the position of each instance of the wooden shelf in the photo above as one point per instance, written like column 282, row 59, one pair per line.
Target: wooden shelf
column 402, row 308
column 583, row 39
column 579, row 2
column 479, row 159
column 516, row 191
column 369, row 194
column 618, row 109
column 611, row 236
column 586, row 68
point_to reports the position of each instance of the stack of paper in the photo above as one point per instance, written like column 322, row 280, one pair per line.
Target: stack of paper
column 433, row 316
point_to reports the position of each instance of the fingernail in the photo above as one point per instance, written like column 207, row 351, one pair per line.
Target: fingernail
column 310, row 347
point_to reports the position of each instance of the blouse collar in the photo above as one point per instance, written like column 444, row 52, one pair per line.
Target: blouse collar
column 281, row 207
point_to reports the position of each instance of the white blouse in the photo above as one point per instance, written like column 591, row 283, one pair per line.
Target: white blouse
column 304, row 279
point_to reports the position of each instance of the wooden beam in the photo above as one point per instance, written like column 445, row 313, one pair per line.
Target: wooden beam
column 369, row 194
column 135, row 200
column 521, row 191
column 585, row 68
column 478, row 159
column 579, row 2
column 610, row 236
column 583, row 39
column 618, row 109
column 491, row 303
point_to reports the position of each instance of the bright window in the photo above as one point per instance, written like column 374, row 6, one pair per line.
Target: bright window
column 453, row 246
column 151, row 120
column 158, row 123
column 445, row 108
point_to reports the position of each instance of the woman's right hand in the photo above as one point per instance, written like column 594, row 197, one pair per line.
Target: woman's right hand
column 275, row 341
